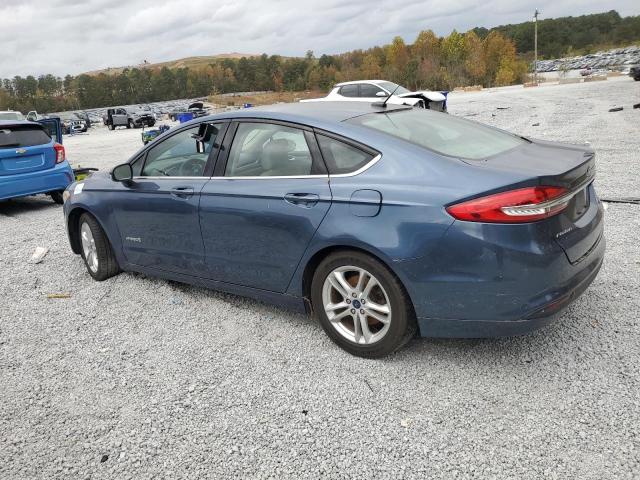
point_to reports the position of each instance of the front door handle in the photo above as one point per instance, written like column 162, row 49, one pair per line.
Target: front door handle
column 302, row 199
column 182, row 192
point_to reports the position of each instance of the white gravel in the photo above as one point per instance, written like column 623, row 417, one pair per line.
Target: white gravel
column 171, row 381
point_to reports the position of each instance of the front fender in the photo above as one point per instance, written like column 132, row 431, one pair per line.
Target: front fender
column 88, row 201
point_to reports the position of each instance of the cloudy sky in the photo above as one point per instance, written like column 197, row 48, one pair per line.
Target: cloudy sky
column 73, row 36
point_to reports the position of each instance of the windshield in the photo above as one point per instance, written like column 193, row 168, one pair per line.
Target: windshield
column 441, row 132
column 390, row 87
column 10, row 116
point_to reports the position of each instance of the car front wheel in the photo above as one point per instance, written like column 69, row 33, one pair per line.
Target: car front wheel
column 361, row 305
column 97, row 253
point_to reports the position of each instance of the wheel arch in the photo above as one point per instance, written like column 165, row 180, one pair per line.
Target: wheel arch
column 317, row 257
column 73, row 228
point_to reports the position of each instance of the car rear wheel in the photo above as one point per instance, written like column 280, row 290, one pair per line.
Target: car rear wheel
column 361, row 305
column 57, row 197
column 97, row 253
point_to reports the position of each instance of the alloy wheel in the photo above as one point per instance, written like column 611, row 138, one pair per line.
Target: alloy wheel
column 89, row 247
column 356, row 304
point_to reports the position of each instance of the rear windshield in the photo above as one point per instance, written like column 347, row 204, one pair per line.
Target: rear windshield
column 441, row 133
column 17, row 136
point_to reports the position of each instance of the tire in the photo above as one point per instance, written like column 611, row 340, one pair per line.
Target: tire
column 102, row 263
column 57, row 197
column 400, row 324
column 130, row 124
column 111, row 126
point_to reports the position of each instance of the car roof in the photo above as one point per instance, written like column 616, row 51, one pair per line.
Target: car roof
column 355, row 82
column 308, row 113
column 7, row 123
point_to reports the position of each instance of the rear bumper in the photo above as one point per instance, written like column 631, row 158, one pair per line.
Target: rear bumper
column 560, row 299
column 44, row 181
column 487, row 280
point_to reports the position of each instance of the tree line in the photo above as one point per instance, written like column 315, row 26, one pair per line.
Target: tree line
column 567, row 36
column 479, row 56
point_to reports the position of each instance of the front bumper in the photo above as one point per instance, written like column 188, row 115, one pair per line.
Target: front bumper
column 139, row 122
column 53, row 179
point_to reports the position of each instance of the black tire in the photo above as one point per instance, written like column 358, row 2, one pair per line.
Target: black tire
column 107, row 263
column 111, row 126
column 57, row 197
column 130, row 124
column 402, row 327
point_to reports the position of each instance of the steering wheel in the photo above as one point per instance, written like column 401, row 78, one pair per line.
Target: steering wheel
column 194, row 167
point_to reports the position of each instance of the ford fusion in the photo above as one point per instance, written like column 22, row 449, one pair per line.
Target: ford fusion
column 382, row 222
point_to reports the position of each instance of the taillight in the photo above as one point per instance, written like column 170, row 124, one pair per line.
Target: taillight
column 60, row 154
column 515, row 206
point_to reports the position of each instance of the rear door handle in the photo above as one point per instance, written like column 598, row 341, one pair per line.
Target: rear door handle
column 302, row 199
column 182, row 192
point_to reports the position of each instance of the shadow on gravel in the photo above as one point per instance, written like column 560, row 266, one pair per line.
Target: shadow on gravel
column 17, row 206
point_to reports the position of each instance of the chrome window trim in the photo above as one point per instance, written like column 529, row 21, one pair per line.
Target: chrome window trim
column 362, row 169
column 169, row 177
column 365, row 167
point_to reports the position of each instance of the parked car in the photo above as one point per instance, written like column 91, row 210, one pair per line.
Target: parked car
column 634, row 72
column 32, row 159
column 379, row 220
column 10, row 115
column 71, row 123
column 84, row 116
column 133, row 118
column 196, row 108
column 378, row 90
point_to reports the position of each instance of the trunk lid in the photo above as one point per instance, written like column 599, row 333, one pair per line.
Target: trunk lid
column 578, row 228
column 25, row 147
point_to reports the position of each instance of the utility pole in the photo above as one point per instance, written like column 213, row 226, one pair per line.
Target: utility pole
column 535, row 47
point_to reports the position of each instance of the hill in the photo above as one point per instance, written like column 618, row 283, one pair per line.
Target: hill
column 188, row 62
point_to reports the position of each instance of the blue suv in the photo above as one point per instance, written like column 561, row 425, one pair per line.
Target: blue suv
column 32, row 159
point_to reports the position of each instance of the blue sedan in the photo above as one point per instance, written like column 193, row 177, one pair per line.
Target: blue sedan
column 381, row 221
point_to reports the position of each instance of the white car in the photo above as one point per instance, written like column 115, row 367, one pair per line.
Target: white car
column 11, row 115
column 379, row 90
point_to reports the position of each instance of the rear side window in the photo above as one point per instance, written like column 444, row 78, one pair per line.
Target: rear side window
column 349, row 91
column 17, row 136
column 441, row 133
column 341, row 157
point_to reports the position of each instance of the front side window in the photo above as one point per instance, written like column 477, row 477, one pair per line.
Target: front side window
column 349, row 91
column 268, row 150
column 178, row 156
column 341, row 157
column 441, row 133
column 367, row 90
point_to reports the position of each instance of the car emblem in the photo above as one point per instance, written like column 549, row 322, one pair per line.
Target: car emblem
column 21, row 151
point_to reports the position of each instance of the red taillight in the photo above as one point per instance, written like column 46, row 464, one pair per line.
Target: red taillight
column 60, row 154
column 515, row 206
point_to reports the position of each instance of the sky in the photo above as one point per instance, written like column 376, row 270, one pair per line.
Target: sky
column 74, row 36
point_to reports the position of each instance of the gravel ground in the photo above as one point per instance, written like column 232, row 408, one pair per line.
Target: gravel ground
column 143, row 378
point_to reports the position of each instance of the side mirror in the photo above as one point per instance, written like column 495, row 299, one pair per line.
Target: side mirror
column 382, row 94
column 205, row 131
column 122, row 173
